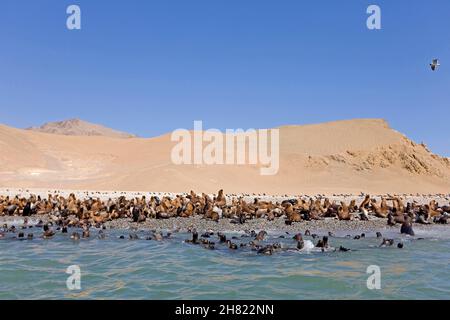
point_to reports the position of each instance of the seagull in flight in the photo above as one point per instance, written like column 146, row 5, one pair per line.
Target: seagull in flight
column 434, row 64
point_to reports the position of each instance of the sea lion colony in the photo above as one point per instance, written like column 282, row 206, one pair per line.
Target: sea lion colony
column 71, row 211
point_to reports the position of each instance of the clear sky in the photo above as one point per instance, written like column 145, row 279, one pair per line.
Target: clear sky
column 151, row 66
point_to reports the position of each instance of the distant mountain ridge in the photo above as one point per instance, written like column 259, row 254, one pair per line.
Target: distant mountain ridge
column 77, row 127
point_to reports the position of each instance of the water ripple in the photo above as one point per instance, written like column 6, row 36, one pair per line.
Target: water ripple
column 124, row 269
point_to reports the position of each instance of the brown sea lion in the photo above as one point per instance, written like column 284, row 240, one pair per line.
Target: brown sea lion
column 343, row 212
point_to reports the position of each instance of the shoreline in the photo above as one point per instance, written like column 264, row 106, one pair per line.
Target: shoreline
column 185, row 225
column 201, row 224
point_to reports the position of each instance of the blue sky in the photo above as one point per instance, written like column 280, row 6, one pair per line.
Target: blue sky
column 149, row 67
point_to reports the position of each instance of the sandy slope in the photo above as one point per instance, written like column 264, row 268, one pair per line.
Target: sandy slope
column 338, row 157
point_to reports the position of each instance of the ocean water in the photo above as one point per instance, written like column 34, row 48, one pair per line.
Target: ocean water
column 138, row 269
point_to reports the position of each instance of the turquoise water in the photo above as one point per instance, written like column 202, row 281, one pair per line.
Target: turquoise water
column 138, row 269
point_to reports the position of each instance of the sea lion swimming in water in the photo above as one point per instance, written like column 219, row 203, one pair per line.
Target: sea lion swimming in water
column 222, row 237
column 86, row 233
column 209, row 245
column 194, row 238
column 158, row 236
column 407, row 227
column 101, row 235
column 300, row 243
column 323, row 243
column 48, row 233
column 261, row 235
column 133, row 236
column 267, row 250
column 75, row 236
column 231, row 245
column 297, row 237
column 387, row 242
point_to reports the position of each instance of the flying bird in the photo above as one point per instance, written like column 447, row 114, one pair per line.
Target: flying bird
column 434, row 64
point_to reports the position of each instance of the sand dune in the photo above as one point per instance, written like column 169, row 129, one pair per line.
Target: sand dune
column 351, row 156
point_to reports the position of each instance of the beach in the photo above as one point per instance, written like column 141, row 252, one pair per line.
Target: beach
column 199, row 223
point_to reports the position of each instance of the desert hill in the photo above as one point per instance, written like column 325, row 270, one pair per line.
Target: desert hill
column 353, row 156
column 77, row 127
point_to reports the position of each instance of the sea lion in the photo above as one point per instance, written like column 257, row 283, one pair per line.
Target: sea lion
column 365, row 204
column 442, row 219
column 387, row 242
column 48, row 232
column 261, row 235
column 11, row 210
column 27, row 210
column 194, row 239
column 267, row 250
column 406, row 227
column 101, row 235
column 220, row 199
column 300, row 244
column 364, row 214
column 133, row 236
column 231, row 245
column 323, row 243
column 343, row 212
column 394, row 219
column 86, row 233
column 298, row 237
column 222, row 237
column 138, row 215
column 158, row 236
column 75, row 236
column 209, row 245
